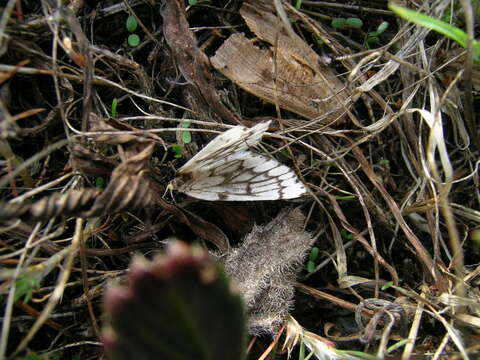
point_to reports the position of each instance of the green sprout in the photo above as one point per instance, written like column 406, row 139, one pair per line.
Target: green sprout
column 312, row 259
column 372, row 36
column 346, row 235
column 177, row 151
column 186, row 135
column 349, row 23
column 114, row 108
column 100, row 183
column 133, row 40
column 25, row 285
column 439, row 26
column 131, row 25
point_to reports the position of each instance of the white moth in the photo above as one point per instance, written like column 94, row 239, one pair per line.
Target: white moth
column 227, row 170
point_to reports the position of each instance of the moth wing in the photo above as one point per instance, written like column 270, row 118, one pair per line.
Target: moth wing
column 245, row 176
column 236, row 139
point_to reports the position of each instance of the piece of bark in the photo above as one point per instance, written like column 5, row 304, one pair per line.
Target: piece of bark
column 289, row 74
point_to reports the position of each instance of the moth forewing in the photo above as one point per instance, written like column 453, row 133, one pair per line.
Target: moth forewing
column 231, row 141
column 226, row 170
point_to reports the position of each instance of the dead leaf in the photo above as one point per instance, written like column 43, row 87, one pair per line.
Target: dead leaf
column 289, row 73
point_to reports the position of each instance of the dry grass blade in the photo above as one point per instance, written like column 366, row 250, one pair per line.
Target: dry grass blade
column 60, row 287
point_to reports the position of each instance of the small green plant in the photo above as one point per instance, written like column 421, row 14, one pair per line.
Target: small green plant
column 131, row 25
column 356, row 23
column 311, row 264
column 114, row 108
column 177, row 151
column 372, row 36
column 25, row 285
column 186, row 135
column 100, row 183
column 439, row 26
column 349, row 23
column 346, row 235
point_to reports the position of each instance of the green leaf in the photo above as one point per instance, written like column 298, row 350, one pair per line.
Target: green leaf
column 100, row 183
column 346, row 235
column 348, row 197
column 314, row 253
column 355, row 23
column 133, row 40
column 186, row 135
column 114, row 108
column 387, row 285
column 131, row 23
column 339, row 22
column 192, row 2
column 25, row 286
column 177, row 151
column 439, row 26
column 298, row 4
column 371, row 41
column 310, row 266
column 382, row 27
